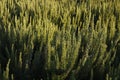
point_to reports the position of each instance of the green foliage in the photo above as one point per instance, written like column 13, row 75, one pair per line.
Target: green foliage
column 59, row 40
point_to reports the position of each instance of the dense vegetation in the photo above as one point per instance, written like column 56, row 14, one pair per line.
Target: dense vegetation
column 59, row 39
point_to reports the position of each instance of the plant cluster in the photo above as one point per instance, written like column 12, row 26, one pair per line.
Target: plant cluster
column 60, row 40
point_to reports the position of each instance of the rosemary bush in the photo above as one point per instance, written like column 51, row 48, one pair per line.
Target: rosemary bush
column 59, row 39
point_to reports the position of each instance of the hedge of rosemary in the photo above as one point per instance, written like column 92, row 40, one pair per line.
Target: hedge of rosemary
column 60, row 39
